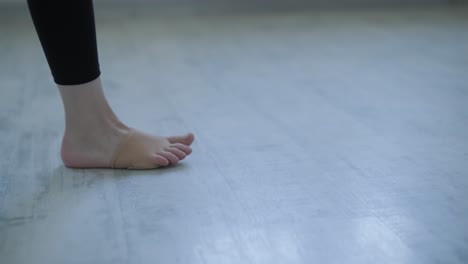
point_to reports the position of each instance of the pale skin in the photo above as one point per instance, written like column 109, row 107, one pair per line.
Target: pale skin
column 93, row 133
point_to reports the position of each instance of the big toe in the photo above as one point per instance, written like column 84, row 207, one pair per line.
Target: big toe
column 161, row 161
column 186, row 140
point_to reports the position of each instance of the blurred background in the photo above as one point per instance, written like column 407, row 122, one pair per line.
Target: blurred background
column 327, row 131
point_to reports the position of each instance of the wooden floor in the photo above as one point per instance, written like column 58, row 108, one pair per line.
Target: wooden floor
column 322, row 137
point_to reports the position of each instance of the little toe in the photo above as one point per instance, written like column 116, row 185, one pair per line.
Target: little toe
column 186, row 149
column 179, row 153
column 173, row 159
column 161, row 161
column 186, row 140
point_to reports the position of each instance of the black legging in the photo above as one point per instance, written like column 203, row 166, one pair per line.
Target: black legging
column 67, row 33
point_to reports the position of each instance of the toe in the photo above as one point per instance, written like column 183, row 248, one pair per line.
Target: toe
column 179, row 153
column 161, row 161
column 186, row 149
column 186, row 140
column 173, row 159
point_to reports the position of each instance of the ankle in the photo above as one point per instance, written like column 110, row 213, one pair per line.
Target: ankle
column 87, row 109
column 93, row 123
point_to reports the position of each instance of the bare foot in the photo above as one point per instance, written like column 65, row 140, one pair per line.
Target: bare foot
column 96, row 138
column 124, row 149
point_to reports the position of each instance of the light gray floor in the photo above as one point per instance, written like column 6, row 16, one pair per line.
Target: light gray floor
column 322, row 137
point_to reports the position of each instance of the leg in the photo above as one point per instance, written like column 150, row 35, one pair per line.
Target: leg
column 94, row 135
